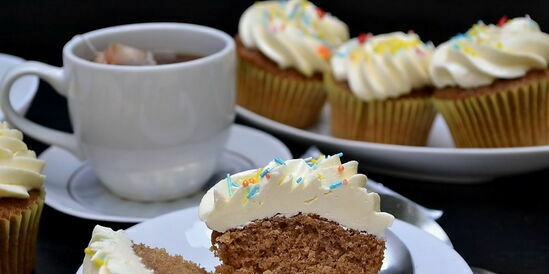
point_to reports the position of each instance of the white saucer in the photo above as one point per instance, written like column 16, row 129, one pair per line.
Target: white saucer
column 181, row 232
column 72, row 187
column 23, row 90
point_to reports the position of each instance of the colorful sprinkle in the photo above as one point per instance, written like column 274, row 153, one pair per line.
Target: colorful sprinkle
column 502, row 21
column 345, row 182
column 319, row 176
column 363, row 37
column 292, row 12
column 268, row 176
column 339, row 154
column 299, row 180
column 469, row 51
column 320, row 12
column 278, row 161
column 335, row 185
column 340, row 54
column 253, row 191
column 411, row 31
column 324, row 52
column 264, row 172
column 229, row 184
column 340, row 168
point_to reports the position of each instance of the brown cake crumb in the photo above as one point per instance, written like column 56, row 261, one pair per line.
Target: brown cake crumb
column 159, row 260
column 300, row 244
column 12, row 206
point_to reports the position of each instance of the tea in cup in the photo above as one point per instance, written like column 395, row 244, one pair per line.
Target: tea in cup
column 150, row 132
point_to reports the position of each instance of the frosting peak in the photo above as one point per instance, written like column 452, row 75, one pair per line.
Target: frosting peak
column 488, row 52
column 383, row 66
column 19, row 168
column 324, row 186
column 111, row 252
column 292, row 33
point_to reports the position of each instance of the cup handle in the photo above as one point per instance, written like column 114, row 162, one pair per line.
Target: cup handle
column 55, row 77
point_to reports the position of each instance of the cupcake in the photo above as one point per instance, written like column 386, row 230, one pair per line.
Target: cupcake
column 112, row 251
column 493, row 84
column 283, row 47
column 21, row 202
column 379, row 89
column 296, row 216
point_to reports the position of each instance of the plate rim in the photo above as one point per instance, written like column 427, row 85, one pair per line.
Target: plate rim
column 327, row 139
column 78, row 210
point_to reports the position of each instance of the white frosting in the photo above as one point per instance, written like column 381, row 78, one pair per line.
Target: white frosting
column 19, row 168
column 292, row 33
column 383, row 66
column 111, row 252
column 328, row 188
column 489, row 52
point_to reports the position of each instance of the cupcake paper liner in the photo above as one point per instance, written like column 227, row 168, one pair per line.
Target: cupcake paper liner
column 18, row 236
column 288, row 100
column 517, row 116
column 402, row 121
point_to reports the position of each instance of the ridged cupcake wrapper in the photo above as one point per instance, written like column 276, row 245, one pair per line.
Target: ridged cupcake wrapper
column 18, row 237
column 403, row 121
column 291, row 101
column 518, row 116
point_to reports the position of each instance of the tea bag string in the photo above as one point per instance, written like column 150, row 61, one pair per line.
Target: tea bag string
column 89, row 44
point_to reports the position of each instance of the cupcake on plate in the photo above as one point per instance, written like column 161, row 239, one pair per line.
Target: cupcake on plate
column 493, row 84
column 21, row 202
column 283, row 47
column 379, row 89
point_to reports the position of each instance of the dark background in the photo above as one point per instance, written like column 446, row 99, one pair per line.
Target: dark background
column 37, row 30
column 496, row 225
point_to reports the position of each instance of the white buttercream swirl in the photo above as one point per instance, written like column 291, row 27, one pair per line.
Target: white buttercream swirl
column 20, row 170
column 111, row 252
column 383, row 66
column 489, row 52
column 327, row 188
column 292, row 33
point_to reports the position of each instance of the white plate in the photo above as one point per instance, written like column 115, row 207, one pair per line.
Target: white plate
column 181, row 232
column 72, row 187
column 23, row 90
column 439, row 161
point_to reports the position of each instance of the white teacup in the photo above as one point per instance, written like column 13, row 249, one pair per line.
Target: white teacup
column 151, row 133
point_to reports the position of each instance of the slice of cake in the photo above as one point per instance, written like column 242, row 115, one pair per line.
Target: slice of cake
column 114, row 252
column 296, row 216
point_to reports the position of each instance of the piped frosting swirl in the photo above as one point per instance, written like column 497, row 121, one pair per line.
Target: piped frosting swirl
column 383, row 66
column 20, row 170
column 324, row 186
column 485, row 53
column 294, row 34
